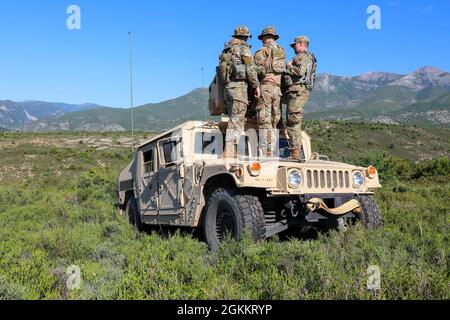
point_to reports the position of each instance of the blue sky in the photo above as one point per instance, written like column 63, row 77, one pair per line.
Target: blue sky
column 41, row 59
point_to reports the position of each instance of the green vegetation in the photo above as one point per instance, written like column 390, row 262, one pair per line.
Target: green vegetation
column 349, row 141
column 58, row 208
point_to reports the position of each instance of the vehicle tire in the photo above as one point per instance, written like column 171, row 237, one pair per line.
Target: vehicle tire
column 370, row 215
column 132, row 214
column 231, row 213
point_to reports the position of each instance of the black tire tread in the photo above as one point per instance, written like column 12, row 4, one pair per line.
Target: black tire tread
column 370, row 215
column 252, row 214
column 250, row 211
column 133, row 217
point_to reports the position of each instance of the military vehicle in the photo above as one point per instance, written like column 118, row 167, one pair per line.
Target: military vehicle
column 180, row 178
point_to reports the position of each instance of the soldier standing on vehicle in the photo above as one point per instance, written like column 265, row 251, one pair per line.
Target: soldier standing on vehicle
column 270, row 63
column 237, row 71
column 299, row 82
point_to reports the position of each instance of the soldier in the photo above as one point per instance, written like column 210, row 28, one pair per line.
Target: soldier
column 270, row 63
column 299, row 81
column 237, row 71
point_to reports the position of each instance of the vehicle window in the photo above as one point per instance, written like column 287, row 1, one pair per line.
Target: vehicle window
column 170, row 151
column 284, row 148
column 149, row 163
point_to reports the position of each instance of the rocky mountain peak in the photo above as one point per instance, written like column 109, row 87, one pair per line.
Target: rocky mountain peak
column 381, row 77
column 423, row 78
column 324, row 83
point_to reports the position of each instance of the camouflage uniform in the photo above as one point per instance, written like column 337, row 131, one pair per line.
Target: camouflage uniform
column 297, row 95
column 237, row 52
column 270, row 62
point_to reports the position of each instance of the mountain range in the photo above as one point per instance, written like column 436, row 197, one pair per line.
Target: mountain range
column 421, row 97
column 418, row 98
column 13, row 115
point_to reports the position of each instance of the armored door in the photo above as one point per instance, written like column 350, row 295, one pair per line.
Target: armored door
column 148, row 186
column 170, row 177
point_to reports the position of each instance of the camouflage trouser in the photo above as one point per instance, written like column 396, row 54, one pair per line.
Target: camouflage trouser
column 236, row 98
column 296, row 101
column 268, row 113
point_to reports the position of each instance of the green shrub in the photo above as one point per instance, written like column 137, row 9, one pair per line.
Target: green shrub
column 11, row 291
column 436, row 167
column 97, row 184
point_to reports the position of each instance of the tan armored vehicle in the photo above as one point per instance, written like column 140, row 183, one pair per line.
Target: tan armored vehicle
column 180, row 178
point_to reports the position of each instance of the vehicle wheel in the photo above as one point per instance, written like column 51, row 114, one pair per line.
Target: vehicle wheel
column 226, row 213
column 370, row 215
column 132, row 213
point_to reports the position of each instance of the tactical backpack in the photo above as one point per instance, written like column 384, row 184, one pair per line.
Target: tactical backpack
column 277, row 60
column 231, row 65
column 308, row 80
column 230, row 69
column 311, row 74
column 276, row 63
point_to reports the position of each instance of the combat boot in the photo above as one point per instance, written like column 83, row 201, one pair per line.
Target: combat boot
column 295, row 154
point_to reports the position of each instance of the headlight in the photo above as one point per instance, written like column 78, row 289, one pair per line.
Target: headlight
column 358, row 179
column 294, row 179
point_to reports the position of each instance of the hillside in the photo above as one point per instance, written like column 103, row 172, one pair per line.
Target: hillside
column 16, row 114
column 419, row 98
column 58, row 208
column 150, row 117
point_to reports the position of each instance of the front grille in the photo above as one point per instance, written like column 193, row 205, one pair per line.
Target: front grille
column 327, row 179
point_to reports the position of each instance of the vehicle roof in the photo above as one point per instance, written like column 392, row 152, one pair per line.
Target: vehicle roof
column 187, row 125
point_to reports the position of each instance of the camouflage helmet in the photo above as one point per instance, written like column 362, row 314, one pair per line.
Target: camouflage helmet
column 241, row 31
column 269, row 31
column 300, row 39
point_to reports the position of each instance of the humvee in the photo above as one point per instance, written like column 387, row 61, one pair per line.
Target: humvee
column 180, row 178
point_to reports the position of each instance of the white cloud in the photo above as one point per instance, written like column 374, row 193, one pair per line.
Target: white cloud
column 428, row 9
column 393, row 3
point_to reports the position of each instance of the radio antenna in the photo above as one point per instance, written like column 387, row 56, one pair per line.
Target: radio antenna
column 203, row 87
column 131, row 93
